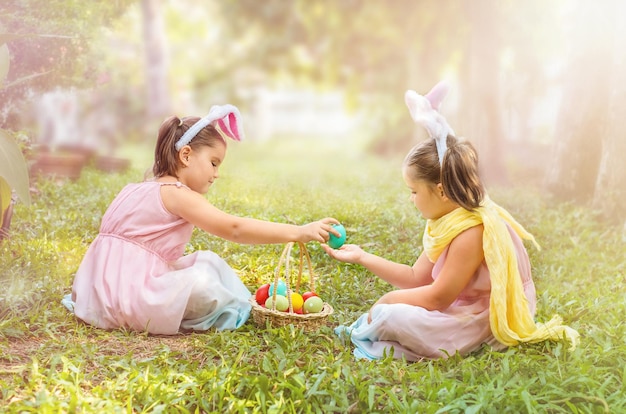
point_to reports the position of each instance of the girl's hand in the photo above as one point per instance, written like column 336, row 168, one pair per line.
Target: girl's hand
column 348, row 253
column 318, row 230
column 378, row 302
column 369, row 314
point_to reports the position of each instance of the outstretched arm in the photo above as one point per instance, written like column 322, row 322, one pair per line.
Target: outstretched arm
column 399, row 275
column 194, row 208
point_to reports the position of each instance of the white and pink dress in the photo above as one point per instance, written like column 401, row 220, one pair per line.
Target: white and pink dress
column 416, row 333
column 135, row 275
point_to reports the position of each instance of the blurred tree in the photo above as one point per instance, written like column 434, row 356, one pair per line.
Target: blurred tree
column 582, row 118
column 508, row 47
column 610, row 188
column 65, row 57
column 156, row 68
column 482, row 100
column 587, row 161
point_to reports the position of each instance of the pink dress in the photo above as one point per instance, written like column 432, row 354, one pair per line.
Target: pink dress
column 135, row 276
column 416, row 333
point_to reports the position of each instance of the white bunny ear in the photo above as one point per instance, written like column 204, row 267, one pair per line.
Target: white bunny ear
column 424, row 111
column 418, row 105
column 437, row 94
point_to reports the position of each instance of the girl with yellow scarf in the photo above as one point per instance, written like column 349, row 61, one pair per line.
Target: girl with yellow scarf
column 472, row 284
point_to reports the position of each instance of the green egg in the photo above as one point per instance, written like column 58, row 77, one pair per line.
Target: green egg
column 334, row 241
column 282, row 304
column 314, row 304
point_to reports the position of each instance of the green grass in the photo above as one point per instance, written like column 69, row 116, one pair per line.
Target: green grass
column 49, row 362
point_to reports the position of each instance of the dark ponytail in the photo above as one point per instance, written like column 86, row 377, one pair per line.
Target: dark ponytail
column 459, row 174
column 165, row 155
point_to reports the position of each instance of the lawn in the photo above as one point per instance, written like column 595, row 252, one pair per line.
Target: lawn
column 50, row 362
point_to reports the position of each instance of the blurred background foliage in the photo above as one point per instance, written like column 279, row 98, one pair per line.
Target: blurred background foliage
column 64, row 48
column 538, row 86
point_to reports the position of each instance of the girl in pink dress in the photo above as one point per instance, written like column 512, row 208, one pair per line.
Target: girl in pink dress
column 472, row 283
column 134, row 274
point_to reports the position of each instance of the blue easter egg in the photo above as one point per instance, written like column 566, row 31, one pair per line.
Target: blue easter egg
column 334, row 241
column 281, row 289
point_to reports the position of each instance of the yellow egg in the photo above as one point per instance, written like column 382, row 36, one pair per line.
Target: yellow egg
column 296, row 301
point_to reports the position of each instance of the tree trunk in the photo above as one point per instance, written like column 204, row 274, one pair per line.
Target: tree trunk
column 610, row 187
column 158, row 97
column 481, row 99
column 581, row 122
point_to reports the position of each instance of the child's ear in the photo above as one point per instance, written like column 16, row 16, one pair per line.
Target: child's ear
column 439, row 191
column 183, row 154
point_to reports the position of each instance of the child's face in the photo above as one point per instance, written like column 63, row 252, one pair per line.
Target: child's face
column 426, row 198
column 203, row 167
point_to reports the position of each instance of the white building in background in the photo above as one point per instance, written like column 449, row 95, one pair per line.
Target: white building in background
column 73, row 118
column 275, row 113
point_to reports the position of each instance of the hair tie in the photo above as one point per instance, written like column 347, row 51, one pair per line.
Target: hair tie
column 225, row 118
column 425, row 111
column 180, row 121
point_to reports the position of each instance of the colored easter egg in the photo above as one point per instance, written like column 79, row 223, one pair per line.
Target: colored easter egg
column 307, row 295
column 262, row 293
column 282, row 304
column 281, row 289
column 296, row 301
column 314, row 304
column 334, row 241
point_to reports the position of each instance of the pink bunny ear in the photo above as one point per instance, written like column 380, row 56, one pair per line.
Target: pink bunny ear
column 437, row 94
column 226, row 118
column 229, row 125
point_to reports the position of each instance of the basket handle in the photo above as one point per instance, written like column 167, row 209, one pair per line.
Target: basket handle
column 284, row 260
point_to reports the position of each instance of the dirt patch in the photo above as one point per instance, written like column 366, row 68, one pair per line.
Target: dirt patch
column 16, row 354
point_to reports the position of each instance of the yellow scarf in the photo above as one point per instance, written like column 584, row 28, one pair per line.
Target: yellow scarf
column 510, row 319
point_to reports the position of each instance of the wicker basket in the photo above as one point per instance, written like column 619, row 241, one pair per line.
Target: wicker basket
column 309, row 321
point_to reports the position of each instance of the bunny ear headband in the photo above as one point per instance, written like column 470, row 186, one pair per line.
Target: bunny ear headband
column 425, row 111
column 225, row 118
